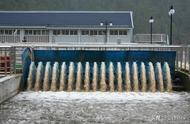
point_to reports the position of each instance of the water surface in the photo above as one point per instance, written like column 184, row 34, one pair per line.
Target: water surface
column 96, row 108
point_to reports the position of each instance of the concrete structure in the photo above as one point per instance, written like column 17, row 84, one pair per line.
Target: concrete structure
column 9, row 86
column 67, row 26
column 184, row 80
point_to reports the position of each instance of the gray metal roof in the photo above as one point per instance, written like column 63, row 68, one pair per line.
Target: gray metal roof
column 65, row 18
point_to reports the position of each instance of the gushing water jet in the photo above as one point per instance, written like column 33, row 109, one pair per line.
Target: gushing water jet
column 47, row 77
column 143, row 77
column 95, row 76
column 87, row 77
column 152, row 81
column 103, row 77
column 62, row 77
column 71, row 77
column 159, row 77
column 31, row 76
column 119, row 77
column 55, row 77
column 167, row 77
column 127, row 77
column 111, row 77
column 79, row 76
column 135, row 77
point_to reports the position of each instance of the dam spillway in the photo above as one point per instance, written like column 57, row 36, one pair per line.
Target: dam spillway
column 97, row 70
column 110, row 76
column 99, row 77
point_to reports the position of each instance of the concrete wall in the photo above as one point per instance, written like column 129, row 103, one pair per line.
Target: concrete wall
column 9, row 86
column 185, row 79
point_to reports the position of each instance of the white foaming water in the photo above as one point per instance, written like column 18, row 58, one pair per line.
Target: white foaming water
column 107, row 107
column 31, row 76
column 103, row 77
column 62, row 76
column 159, row 81
column 135, row 77
column 47, row 77
column 167, row 77
column 95, row 74
column 151, row 75
column 71, row 76
column 127, row 77
column 87, row 77
column 55, row 76
column 143, row 78
column 78, row 80
column 119, row 77
column 159, row 77
column 111, row 77
column 99, row 97
column 39, row 76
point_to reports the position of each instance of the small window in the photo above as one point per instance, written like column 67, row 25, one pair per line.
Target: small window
column 85, row 32
column 73, row 32
column 91, row 32
column 122, row 32
column 14, row 32
column 125, row 32
column 67, row 32
column 95, row 32
column 17, row 32
column 6, row 32
column 37, row 32
column 45, row 32
column 10, row 32
column 113, row 32
column 30, row 32
column 56, row 32
column 101, row 32
column 26, row 32
column 63, row 32
column 1, row 31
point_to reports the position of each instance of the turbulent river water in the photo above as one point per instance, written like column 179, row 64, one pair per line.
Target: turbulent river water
column 96, row 108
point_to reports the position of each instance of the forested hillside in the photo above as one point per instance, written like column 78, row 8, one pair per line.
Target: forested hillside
column 142, row 9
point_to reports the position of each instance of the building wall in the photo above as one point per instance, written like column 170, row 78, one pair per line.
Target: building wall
column 93, row 36
column 90, row 38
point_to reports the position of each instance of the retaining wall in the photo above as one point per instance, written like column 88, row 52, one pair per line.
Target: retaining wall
column 185, row 79
column 9, row 86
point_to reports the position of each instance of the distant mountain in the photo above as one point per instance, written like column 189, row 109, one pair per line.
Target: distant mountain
column 142, row 9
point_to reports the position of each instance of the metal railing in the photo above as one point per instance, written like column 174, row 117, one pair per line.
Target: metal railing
column 182, row 52
column 156, row 38
column 37, row 38
column 29, row 38
column 9, row 38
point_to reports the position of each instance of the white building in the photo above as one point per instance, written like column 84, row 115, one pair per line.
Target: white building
column 67, row 26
